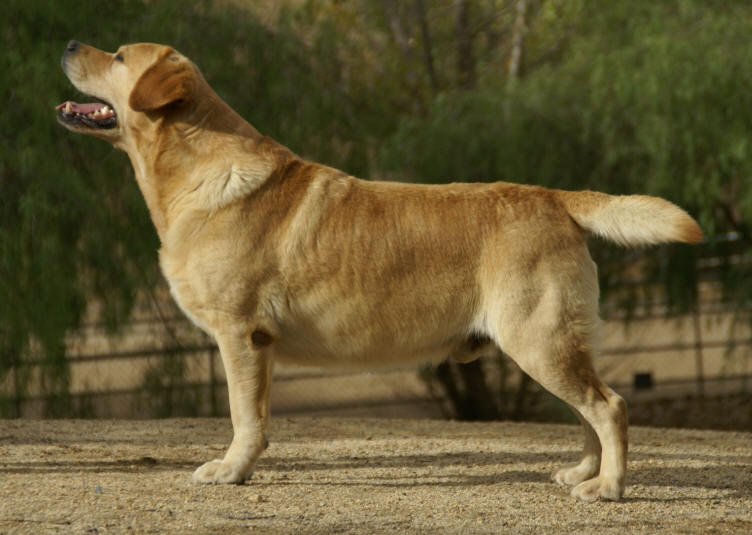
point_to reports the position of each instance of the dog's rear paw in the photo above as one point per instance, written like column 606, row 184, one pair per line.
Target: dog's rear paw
column 577, row 473
column 219, row 471
column 598, row 488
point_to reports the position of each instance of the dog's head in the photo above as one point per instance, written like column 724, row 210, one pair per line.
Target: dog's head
column 129, row 86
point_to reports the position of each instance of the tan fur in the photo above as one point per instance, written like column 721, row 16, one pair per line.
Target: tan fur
column 281, row 259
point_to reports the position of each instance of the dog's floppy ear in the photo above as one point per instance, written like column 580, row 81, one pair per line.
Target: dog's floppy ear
column 169, row 80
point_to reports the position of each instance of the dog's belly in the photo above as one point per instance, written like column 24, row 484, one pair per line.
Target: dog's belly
column 370, row 345
column 360, row 350
column 308, row 352
column 370, row 324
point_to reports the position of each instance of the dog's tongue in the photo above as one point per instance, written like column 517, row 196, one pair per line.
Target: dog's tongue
column 75, row 107
column 96, row 111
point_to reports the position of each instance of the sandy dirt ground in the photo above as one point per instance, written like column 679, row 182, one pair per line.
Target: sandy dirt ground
column 323, row 475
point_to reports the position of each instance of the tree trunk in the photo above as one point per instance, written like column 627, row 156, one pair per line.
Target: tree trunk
column 420, row 9
column 520, row 398
column 478, row 397
column 397, row 26
column 465, row 386
column 516, row 57
column 466, row 78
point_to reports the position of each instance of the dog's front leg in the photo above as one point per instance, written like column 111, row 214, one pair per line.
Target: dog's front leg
column 248, row 369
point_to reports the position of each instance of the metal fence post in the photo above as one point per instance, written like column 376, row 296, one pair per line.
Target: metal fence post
column 214, row 409
column 699, row 369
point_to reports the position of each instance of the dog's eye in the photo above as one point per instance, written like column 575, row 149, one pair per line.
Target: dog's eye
column 119, row 57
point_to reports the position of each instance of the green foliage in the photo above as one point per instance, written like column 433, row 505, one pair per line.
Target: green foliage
column 647, row 97
column 625, row 97
column 73, row 226
column 650, row 97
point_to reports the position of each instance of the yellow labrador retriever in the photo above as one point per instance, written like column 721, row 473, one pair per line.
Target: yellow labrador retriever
column 282, row 259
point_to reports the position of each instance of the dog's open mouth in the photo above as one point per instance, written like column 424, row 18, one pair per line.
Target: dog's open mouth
column 92, row 114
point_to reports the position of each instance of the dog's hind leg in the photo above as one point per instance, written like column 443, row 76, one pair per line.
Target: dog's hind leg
column 568, row 374
column 552, row 340
column 247, row 363
column 560, row 361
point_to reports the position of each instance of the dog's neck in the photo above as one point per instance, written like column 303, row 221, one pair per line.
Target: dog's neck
column 244, row 161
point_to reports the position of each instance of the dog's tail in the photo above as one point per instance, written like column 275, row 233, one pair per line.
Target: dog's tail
column 630, row 219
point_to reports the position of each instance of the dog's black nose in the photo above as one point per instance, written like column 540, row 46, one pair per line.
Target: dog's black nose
column 71, row 47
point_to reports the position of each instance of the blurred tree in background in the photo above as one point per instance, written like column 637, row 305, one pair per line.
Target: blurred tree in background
column 73, row 226
column 624, row 97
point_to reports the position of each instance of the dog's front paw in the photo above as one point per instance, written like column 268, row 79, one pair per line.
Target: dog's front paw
column 598, row 487
column 219, row 471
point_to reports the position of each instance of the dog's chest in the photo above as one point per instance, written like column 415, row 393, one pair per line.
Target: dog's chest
column 185, row 299
column 184, row 291
column 179, row 294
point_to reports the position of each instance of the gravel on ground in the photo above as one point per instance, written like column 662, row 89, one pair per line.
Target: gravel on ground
column 325, row 475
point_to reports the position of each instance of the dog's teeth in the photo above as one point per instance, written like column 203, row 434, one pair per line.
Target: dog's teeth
column 67, row 108
column 104, row 109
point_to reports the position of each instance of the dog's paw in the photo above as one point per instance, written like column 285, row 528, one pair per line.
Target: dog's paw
column 218, row 472
column 598, row 488
column 577, row 473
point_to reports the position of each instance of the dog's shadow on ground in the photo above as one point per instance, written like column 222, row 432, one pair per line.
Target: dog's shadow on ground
column 729, row 479
column 732, row 476
column 140, row 464
column 451, row 469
